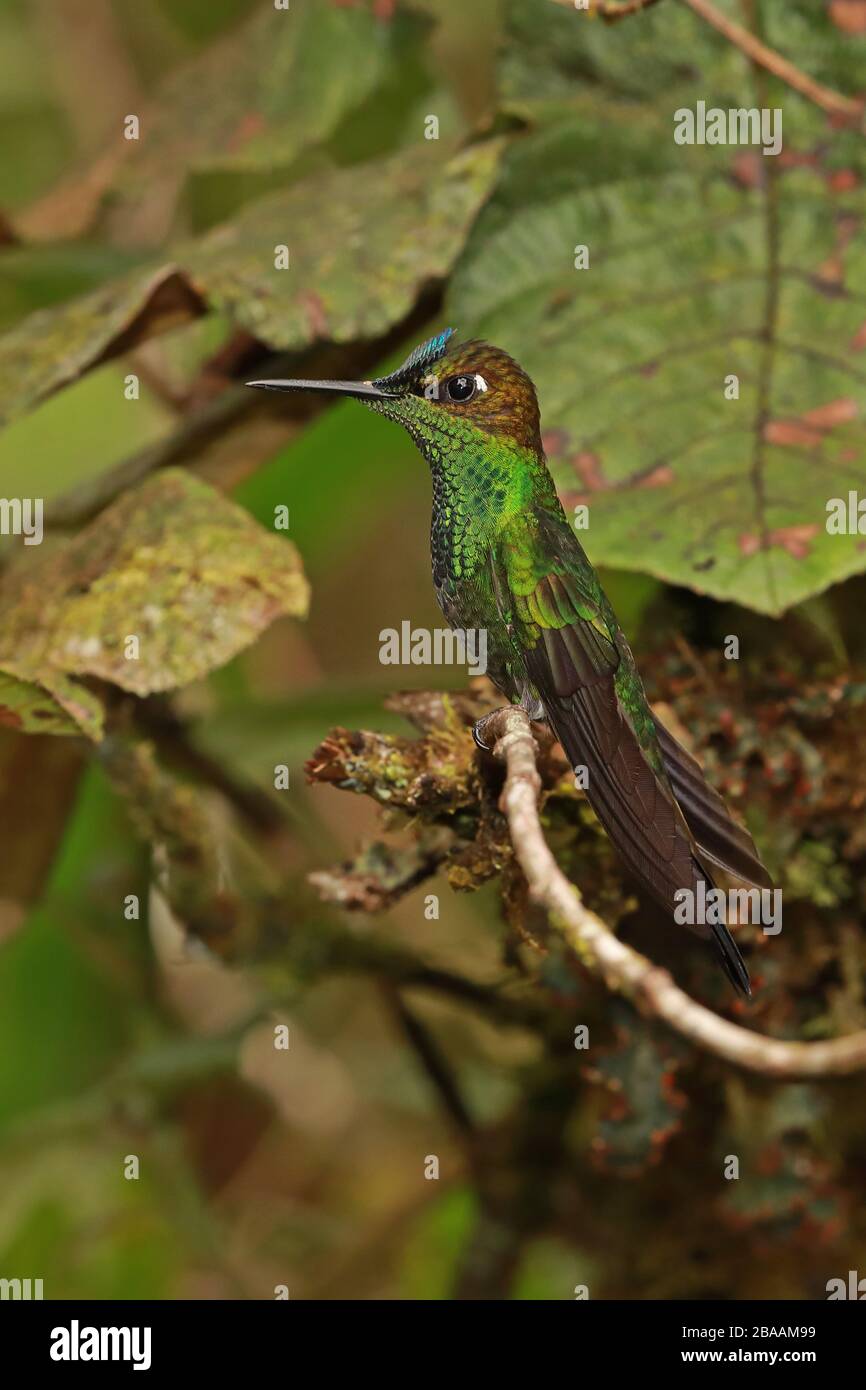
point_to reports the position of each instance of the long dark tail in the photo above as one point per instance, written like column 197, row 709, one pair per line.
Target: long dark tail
column 669, row 841
column 717, row 836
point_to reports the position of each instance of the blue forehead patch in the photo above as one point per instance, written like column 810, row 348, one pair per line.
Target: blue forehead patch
column 417, row 363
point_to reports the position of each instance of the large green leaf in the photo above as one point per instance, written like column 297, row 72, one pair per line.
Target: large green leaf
column 708, row 262
column 362, row 241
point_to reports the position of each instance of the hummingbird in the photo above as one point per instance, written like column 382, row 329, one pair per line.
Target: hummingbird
column 506, row 560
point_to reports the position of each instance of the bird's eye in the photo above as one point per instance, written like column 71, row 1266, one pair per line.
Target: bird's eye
column 460, row 388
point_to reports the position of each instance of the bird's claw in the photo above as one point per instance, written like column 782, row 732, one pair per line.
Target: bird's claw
column 477, row 734
column 480, row 727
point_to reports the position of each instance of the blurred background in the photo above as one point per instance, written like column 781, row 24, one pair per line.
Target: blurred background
column 414, row 1033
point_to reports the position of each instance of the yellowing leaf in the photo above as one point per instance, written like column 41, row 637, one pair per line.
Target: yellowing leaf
column 165, row 585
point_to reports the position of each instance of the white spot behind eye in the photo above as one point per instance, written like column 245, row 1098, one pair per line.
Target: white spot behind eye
column 480, row 383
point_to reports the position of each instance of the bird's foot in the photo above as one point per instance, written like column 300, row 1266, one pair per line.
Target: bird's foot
column 478, row 732
column 486, row 731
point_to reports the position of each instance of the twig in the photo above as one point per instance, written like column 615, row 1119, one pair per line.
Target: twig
column 266, row 921
column 649, row 987
column 158, row 720
column 432, row 1060
column 780, row 67
column 748, row 43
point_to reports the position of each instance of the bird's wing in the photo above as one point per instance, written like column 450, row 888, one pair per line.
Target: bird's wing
column 552, row 605
column 583, row 672
column 569, row 646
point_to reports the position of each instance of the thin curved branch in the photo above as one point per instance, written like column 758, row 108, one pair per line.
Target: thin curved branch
column 761, row 53
column 845, row 108
column 649, row 987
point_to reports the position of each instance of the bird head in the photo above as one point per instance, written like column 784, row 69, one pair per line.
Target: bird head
column 446, row 390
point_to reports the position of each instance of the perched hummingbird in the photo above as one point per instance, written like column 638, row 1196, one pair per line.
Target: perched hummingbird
column 505, row 559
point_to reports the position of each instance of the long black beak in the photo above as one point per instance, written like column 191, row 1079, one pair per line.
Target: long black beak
column 361, row 390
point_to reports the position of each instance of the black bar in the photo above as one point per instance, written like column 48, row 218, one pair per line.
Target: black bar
column 257, row 1338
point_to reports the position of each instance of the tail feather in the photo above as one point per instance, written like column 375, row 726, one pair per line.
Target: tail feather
column 732, row 962
column 642, row 814
column 718, row 837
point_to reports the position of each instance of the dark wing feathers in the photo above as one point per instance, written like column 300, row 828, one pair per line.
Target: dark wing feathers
column 635, row 808
column 719, row 838
column 666, row 822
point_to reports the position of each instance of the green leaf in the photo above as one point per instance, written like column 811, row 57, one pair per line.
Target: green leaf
column 171, row 564
column 363, row 242
column 35, row 277
column 708, row 263
column 52, row 705
column 254, row 101
column 54, row 347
